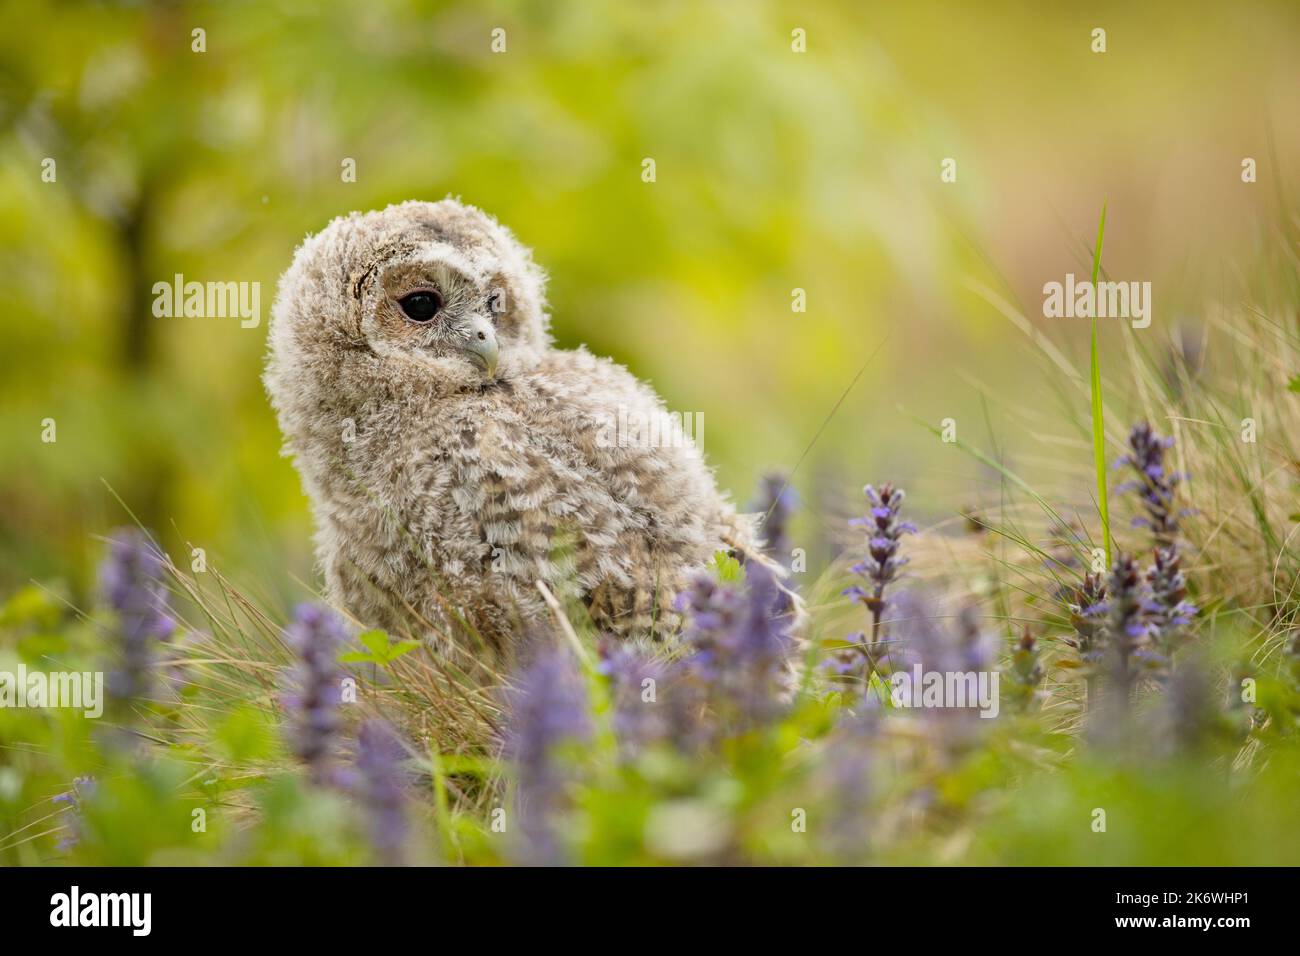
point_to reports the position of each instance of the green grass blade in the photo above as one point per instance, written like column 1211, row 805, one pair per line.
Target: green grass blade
column 1098, row 426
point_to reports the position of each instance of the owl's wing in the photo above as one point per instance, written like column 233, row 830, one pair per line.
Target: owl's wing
column 650, row 512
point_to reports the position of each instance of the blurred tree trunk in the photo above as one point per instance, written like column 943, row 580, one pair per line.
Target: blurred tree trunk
column 137, row 318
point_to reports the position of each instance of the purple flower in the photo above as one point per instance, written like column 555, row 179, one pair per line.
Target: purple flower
column 315, row 685
column 1155, row 483
column 764, row 647
column 713, row 615
column 882, row 564
column 915, row 628
column 850, row 761
column 1127, row 627
column 1088, row 613
column 776, row 503
column 740, row 646
column 640, row 718
column 131, row 579
column 380, row 785
column 1088, row 617
column 1126, row 653
column 548, row 710
column 844, row 664
column 1168, row 613
column 83, row 789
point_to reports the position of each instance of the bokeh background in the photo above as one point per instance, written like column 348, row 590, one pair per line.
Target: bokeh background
column 775, row 170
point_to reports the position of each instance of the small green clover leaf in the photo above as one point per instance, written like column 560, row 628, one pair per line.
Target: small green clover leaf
column 378, row 649
column 727, row 568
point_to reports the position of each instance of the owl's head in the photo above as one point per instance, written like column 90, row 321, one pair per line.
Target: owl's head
column 438, row 286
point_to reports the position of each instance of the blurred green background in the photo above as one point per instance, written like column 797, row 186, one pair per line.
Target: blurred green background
column 775, row 170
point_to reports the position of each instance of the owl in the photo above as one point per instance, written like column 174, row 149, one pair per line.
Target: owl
column 454, row 457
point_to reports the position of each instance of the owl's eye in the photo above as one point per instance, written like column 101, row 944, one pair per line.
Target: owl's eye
column 421, row 306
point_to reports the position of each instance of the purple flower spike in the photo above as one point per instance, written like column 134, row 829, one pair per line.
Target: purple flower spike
column 640, row 718
column 83, row 789
column 850, row 765
column 1128, row 628
column 548, row 710
column 741, row 645
column 1167, row 611
column 131, row 579
column 1155, row 484
column 379, row 780
column 1088, row 614
column 316, row 634
column 776, row 503
column 882, row 564
column 764, row 648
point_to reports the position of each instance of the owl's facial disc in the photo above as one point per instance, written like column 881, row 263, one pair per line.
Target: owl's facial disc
column 438, row 308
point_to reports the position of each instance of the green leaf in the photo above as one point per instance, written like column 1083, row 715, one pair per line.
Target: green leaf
column 1294, row 384
column 379, row 651
column 726, row 567
column 401, row 648
column 245, row 735
column 375, row 640
column 358, row 657
column 876, row 685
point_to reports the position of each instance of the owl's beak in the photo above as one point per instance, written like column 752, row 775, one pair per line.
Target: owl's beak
column 482, row 345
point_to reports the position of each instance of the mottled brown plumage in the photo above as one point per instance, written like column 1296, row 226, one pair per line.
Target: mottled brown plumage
column 454, row 462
